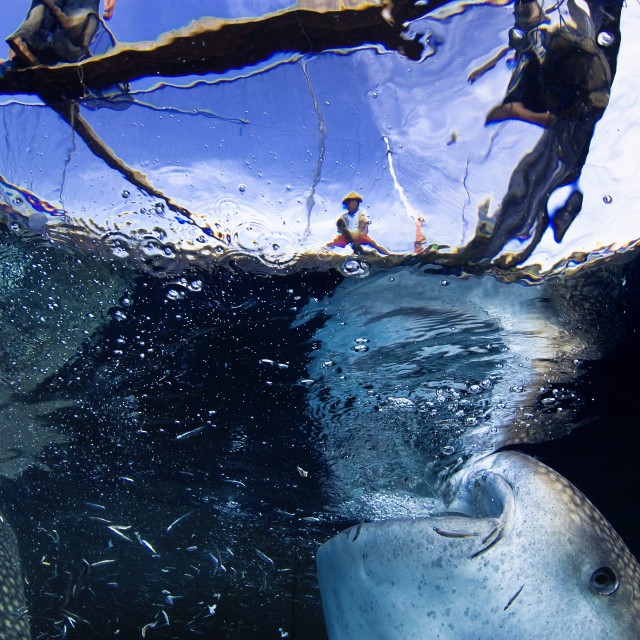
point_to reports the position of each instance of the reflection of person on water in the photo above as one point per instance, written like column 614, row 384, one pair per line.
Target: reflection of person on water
column 528, row 38
column 353, row 227
column 57, row 31
column 559, row 71
column 561, row 82
column 420, row 243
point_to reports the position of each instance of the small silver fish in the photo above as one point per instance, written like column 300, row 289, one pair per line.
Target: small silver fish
column 116, row 530
column 177, row 521
column 264, row 557
column 188, row 434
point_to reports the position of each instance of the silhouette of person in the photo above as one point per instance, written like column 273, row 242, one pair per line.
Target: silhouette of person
column 561, row 82
column 57, row 31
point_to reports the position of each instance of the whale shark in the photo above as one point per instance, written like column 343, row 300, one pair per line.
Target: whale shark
column 520, row 553
column 412, row 378
column 14, row 621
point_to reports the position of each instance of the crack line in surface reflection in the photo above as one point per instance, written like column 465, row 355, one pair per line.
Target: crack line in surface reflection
column 322, row 146
column 67, row 159
column 408, row 208
column 481, row 160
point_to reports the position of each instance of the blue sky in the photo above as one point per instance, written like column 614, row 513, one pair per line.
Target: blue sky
column 276, row 147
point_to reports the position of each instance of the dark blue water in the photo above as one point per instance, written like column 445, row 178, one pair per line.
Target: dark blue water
column 237, row 478
column 196, row 406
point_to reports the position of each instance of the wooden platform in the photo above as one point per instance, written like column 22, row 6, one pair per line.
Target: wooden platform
column 210, row 45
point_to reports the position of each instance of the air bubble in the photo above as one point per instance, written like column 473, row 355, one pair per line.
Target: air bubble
column 361, row 340
column 125, row 193
column 607, row 199
column 475, row 388
column 517, row 36
column 360, row 348
column 448, row 450
column 174, row 294
column 605, row 39
column 242, row 188
column 444, row 283
column 195, row 285
column 355, row 268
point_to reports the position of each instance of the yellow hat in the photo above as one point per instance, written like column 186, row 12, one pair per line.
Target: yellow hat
column 352, row 196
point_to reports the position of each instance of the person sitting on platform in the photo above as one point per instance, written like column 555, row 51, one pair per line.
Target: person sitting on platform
column 353, row 227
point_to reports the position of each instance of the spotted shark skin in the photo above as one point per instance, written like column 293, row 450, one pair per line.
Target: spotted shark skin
column 14, row 620
column 521, row 554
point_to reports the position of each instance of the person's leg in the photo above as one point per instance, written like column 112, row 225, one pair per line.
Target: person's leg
column 33, row 22
column 338, row 241
column 366, row 240
column 81, row 33
column 517, row 111
column 421, row 240
column 31, row 29
column 77, row 11
column 82, row 21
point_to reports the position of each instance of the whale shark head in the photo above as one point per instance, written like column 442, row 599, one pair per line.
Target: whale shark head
column 521, row 553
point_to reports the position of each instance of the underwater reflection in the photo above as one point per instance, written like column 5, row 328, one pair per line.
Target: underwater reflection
column 314, row 102
column 561, row 81
column 414, row 374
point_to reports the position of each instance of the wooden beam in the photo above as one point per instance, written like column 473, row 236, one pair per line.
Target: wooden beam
column 215, row 46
